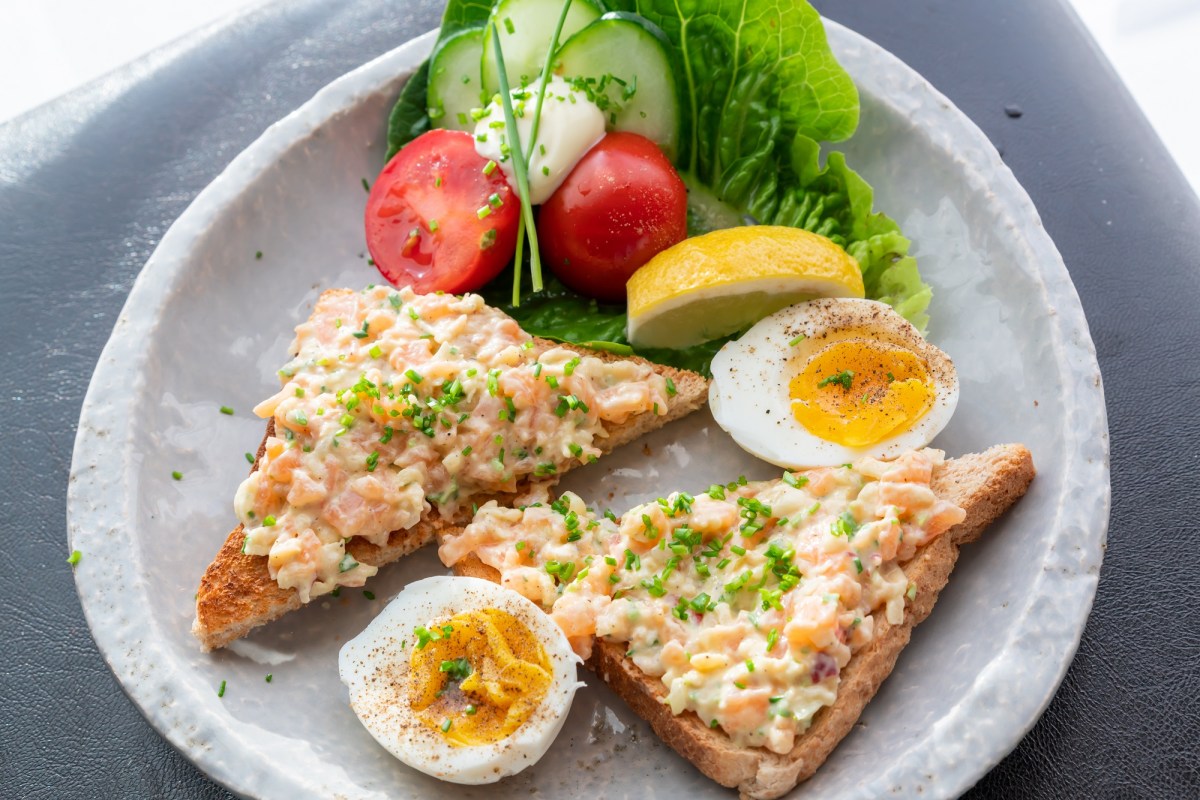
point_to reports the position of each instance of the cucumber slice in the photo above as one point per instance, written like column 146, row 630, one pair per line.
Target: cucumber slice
column 626, row 63
column 526, row 28
column 454, row 80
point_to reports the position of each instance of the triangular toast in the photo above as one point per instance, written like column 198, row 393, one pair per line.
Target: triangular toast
column 985, row 485
column 237, row 594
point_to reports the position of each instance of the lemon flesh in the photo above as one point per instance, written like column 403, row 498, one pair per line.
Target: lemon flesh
column 722, row 282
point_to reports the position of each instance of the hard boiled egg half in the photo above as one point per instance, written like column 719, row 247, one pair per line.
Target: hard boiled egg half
column 825, row 382
column 462, row 679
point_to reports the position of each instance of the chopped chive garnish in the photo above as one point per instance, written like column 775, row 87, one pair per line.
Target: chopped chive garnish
column 366, row 186
column 258, row 255
column 483, row 212
column 268, row 521
column 458, row 669
column 797, row 340
column 843, row 379
column 446, row 723
column 494, row 200
column 177, row 475
column 368, row 594
column 249, row 458
column 73, row 559
column 489, row 167
column 795, row 481
column 226, row 410
column 221, row 689
column 269, row 677
column 671, row 390
column 433, row 226
column 546, row 171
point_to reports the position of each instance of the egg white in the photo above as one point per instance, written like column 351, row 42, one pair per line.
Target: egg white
column 375, row 667
column 749, row 394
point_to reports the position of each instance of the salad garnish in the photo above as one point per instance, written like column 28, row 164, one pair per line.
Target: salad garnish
column 749, row 93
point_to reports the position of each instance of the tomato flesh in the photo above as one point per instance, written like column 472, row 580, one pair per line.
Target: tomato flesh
column 621, row 205
column 435, row 221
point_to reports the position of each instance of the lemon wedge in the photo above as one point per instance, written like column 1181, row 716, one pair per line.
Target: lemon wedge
column 719, row 283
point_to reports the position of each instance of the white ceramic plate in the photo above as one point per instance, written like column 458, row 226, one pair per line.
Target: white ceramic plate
column 207, row 324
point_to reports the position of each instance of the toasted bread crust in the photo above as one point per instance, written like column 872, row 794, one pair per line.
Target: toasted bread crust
column 985, row 485
column 237, row 593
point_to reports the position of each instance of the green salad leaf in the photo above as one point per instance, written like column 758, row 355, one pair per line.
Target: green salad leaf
column 560, row 314
column 737, row 56
column 834, row 201
column 410, row 117
column 462, row 14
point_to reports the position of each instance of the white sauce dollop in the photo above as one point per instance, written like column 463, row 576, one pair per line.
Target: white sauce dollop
column 570, row 126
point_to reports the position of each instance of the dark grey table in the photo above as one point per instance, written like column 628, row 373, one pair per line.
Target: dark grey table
column 89, row 183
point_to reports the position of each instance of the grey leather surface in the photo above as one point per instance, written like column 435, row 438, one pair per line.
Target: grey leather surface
column 89, row 183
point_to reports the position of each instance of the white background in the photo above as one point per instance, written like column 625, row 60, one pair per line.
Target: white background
column 49, row 47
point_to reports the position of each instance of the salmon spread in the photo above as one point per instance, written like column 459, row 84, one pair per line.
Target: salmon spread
column 398, row 404
column 747, row 600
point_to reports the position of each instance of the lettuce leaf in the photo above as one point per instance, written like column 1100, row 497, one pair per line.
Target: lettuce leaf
column 410, row 114
column 834, row 201
column 736, row 56
column 409, row 117
column 560, row 314
column 461, row 14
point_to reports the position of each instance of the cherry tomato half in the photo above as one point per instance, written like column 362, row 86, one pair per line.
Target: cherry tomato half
column 621, row 205
column 435, row 221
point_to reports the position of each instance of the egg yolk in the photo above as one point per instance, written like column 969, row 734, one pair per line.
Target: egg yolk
column 482, row 677
column 856, row 392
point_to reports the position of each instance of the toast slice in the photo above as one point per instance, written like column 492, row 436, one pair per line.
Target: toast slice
column 984, row 485
column 237, row 593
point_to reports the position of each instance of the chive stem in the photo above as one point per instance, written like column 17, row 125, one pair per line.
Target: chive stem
column 519, row 168
column 537, row 117
column 516, row 298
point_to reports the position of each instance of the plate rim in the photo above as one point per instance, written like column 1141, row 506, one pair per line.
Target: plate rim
column 104, row 436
